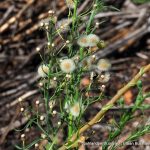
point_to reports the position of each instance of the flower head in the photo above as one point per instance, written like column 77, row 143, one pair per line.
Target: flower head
column 70, row 4
column 104, row 77
column 88, row 40
column 63, row 24
column 83, row 41
column 43, row 70
column 93, row 40
column 51, row 104
column 67, row 65
column 75, row 110
column 103, row 65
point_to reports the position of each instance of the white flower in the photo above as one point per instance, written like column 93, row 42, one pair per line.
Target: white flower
column 43, row 70
column 67, row 65
column 88, row 40
column 51, row 104
column 104, row 77
column 54, row 112
column 75, row 110
column 42, row 118
column 103, row 65
column 93, row 40
column 36, row 145
column 59, row 123
column 22, row 135
column 70, row 4
column 63, row 24
column 37, row 102
column 83, row 41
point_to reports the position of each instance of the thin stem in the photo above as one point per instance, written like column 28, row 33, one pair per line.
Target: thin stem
column 91, row 18
column 70, row 126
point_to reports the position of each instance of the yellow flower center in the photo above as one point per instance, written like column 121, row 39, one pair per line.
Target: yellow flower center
column 76, row 108
column 84, row 40
column 67, row 65
column 93, row 40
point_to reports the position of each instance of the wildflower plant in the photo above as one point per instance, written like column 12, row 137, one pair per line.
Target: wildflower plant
column 68, row 73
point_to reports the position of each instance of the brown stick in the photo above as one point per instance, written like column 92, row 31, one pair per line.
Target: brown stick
column 98, row 117
column 14, row 18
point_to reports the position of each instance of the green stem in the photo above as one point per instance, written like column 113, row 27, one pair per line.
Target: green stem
column 74, row 17
column 81, row 52
column 70, row 126
column 91, row 19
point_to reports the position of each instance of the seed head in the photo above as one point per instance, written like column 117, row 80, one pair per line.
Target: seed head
column 102, row 88
column 43, row 70
column 67, row 42
column 49, row 44
column 63, row 25
column 42, row 118
column 103, row 65
column 94, row 57
column 53, row 44
column 70, row 4
column 46, row 27
column 75, row 110
column 88, row 40
column 40, row 84
column 21, row 109
column 27, row 129
column 93, row 40
column 104, row 77
column 59, row 123
column 83, row 41
column 51, row 104
column 37, row 102
column 97, row 24
column 54, row 112
column 68, row 76
column 22, row 136
column 67, row 65
column 55, row 78
column 36, row 145
column 43, row 136
column 20, row 99
column 38, row 49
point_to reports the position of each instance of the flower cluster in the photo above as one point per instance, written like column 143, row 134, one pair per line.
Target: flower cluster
column 88, row 40
column 70, row 78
